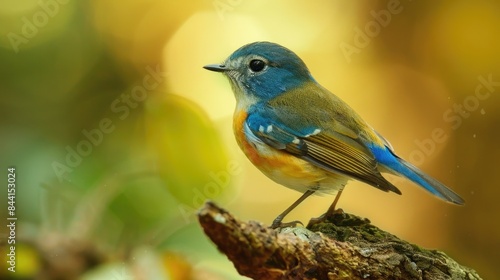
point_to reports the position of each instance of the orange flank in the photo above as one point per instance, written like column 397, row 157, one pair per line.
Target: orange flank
column 275, row 163
column 239, row 132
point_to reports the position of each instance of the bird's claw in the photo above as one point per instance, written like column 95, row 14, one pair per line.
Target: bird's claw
column 280, row 225
column 324, row 217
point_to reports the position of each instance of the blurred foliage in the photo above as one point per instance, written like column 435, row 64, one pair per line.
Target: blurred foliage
column 201, row 152
column 118, row 135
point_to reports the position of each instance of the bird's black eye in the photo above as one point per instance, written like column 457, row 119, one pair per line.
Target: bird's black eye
column 256, row 65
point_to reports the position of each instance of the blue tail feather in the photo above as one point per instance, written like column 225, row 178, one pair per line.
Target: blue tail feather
column 391, row 161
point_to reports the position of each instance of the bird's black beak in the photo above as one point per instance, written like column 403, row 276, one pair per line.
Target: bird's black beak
column 216, row 67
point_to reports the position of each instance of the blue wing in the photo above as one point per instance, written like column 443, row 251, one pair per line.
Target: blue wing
column 329, row 150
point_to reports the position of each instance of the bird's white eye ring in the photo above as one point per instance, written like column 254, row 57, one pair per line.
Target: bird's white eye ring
column 257, row 65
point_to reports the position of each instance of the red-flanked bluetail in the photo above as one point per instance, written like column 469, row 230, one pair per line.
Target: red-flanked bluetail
column 304, row 137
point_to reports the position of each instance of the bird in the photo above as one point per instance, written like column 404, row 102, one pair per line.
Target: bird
column 304, row 137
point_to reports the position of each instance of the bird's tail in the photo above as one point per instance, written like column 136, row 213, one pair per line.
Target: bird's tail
column 414, row 174
column 389, row 160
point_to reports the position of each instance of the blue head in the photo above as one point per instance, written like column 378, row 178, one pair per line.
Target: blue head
column 263, row 70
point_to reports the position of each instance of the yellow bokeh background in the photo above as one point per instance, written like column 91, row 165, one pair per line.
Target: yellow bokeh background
column 118, row 134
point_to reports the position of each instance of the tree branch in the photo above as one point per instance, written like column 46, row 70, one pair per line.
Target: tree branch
column 345, row 247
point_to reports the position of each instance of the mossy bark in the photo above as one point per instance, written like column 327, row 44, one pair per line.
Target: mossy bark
column 344, row 247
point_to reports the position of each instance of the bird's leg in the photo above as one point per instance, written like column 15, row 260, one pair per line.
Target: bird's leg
column 277, row 222
column 330, row 212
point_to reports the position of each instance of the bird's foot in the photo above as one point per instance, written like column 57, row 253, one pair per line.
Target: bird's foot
column 324, row 217
column 279, row 225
